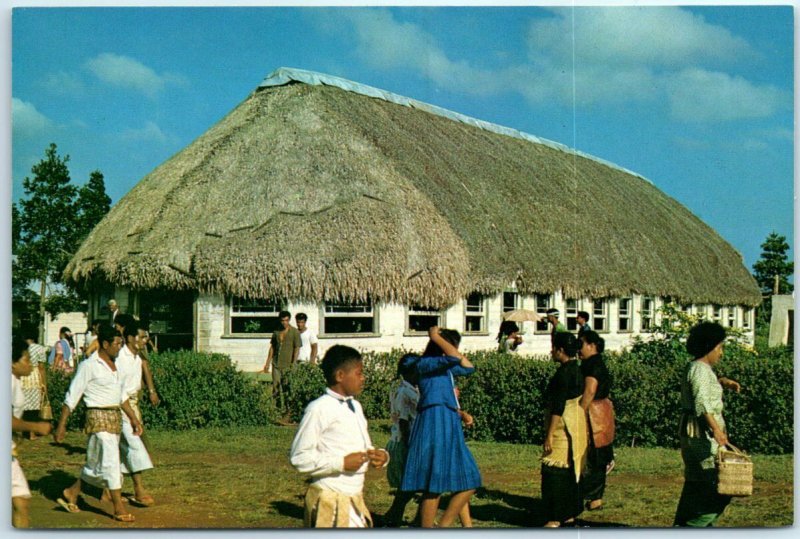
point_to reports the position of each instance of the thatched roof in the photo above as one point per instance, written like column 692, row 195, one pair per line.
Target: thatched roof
column 321, row 190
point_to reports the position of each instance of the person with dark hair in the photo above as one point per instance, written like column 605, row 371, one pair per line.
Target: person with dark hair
column 438, row 458
column 62, row 353
column 309, row 341
column 557, row 327
column 90, row 344
column 508, row 337
column 582, row 318
column 702, row 427
column 403, row 411
column 566, row 438
column 599, row 409
column 134, row 456
column 124, row 321
column 97, row 382
column 333, row 446
column 284, row 347
column 20, row 492
column 34, row 386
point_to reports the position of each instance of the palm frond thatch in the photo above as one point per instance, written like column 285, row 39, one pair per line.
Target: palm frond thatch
column 318, row 193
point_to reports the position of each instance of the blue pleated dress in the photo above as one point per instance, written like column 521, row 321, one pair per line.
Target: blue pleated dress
column 438, row 459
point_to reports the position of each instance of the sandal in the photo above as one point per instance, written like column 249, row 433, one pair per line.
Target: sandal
column 125, row 517
column 69, row 507
column 144, row 501
column 597, row 507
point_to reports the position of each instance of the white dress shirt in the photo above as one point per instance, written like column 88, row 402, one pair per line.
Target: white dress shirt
column 99, row 386
column 328, row 432
column 129, row 367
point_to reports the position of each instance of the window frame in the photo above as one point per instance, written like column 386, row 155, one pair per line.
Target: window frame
column 482, row 314
column 417, row 310
column 628, row 316
column 602, row 316
column 647, row 314
column 517, row 300
column 571, row 315
column 324, row 315
column 231, row 314
column 541, row 311
column 732, row 323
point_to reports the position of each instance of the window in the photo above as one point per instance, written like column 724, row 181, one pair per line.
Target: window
column 543, row 302
column 746, row 314
column 254, row 315
column 572, row 314
column 731, row 316
column 599, row 313
column 475, row 314
column 420, row 319
column 510, row 301
column 349, row 317
column 625, row 314
column 648, row 305
column 716, row 313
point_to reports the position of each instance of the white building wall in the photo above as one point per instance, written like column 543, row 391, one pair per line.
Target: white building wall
column 249, row 352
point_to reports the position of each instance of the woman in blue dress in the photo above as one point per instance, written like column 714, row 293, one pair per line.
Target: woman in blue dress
column 438, row 459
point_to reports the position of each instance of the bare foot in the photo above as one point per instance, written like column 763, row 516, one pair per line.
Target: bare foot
column 105, row 496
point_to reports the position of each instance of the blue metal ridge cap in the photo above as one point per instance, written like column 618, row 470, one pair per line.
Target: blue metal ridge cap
column 285, row 75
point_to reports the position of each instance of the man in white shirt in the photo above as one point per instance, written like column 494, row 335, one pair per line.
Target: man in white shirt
column 308, row 340
column 98, row 383
column 133, row 454
column 332, row 445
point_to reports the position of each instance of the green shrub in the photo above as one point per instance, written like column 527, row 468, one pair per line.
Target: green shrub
column 196, row 390
column 204, row 390
column 305, row 382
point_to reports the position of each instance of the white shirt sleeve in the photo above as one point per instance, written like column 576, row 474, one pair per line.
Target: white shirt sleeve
column 305, row 455
column 78, row 385
column 312, row 338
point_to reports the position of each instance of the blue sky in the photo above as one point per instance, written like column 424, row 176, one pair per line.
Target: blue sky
column 697, row 99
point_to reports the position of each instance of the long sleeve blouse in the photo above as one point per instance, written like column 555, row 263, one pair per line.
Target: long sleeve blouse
column 436, row 380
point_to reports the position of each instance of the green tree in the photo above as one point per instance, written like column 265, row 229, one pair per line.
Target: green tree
column 773, row 270
column 48, row 227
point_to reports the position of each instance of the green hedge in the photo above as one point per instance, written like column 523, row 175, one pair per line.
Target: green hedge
column 196, row 390
column 504, row 395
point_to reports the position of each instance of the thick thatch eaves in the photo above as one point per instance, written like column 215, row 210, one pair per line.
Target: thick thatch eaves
column 313, row 190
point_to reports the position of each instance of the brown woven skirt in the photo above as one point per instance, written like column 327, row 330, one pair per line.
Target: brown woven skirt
column 103, row 420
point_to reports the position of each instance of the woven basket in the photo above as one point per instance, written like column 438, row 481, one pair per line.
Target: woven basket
column 734, row 472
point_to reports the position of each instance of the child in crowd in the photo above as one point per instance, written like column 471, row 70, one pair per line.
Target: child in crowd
column 332, row 445
column 438, row 458
column 20, row 493
column 403, row 411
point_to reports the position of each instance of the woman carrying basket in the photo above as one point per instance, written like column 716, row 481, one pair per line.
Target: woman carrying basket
column 702, row 428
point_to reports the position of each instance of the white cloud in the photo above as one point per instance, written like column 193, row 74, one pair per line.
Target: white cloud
column 385, row 43
column 697, row 95
column 26, row 121
column 63, row 83
column 652, row 36
column 622, row 55
column 150, row 132
column 126, row 72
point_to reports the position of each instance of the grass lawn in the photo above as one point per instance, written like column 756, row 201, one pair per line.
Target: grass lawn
column 241, row 478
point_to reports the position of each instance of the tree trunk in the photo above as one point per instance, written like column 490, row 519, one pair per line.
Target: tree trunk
column 777, row 287
column 42, row 299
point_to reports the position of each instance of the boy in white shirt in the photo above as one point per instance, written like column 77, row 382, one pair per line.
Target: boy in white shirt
column 308, row 340
column 332, row 444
